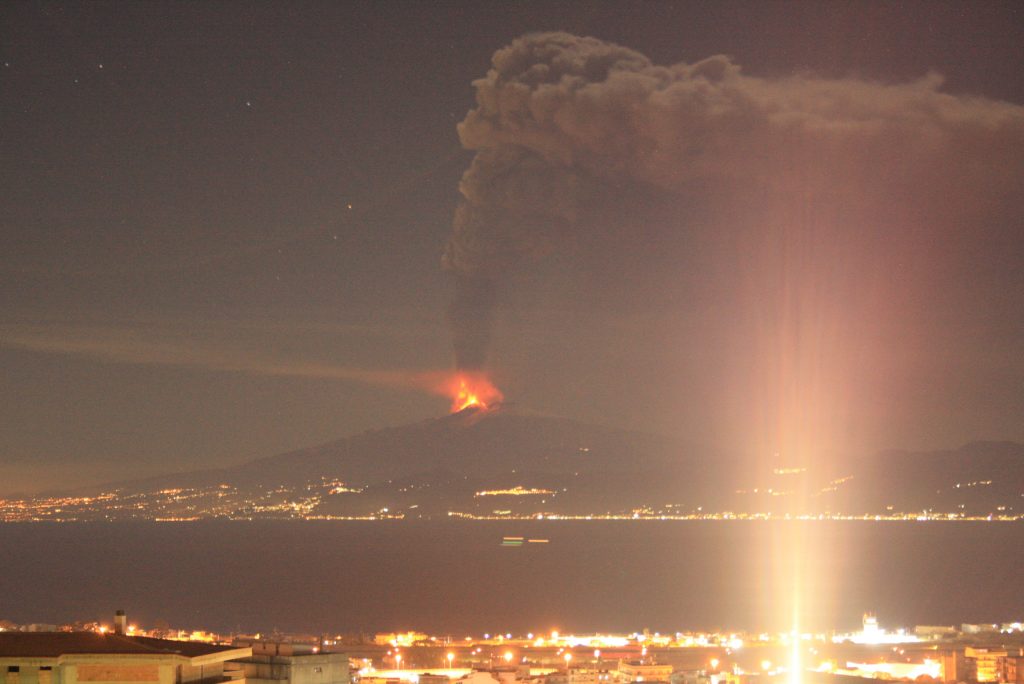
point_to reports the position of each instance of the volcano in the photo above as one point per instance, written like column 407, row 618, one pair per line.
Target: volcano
column 455, row 462
column 504, row 461
column 494, row 460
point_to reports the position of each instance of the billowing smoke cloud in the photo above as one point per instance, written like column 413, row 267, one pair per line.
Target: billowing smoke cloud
column 562, row 119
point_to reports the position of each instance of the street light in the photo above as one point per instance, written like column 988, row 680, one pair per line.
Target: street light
column 450, row 657
column 508, row 656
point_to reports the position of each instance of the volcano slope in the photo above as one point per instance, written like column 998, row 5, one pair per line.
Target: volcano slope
column 505, row 461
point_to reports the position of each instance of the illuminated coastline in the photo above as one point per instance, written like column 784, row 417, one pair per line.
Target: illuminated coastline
column 303, row 503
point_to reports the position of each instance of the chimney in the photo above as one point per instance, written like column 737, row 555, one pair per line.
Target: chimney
column 120, row 623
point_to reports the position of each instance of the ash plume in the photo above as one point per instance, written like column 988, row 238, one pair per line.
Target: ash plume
column 561, row 121
column 471, row 316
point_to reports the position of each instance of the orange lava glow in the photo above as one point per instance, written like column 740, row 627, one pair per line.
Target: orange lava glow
column 473, row 390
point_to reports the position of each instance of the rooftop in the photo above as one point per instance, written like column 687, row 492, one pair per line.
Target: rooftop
column 55, row 644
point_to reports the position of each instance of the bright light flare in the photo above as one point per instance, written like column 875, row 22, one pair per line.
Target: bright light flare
column 796, row 673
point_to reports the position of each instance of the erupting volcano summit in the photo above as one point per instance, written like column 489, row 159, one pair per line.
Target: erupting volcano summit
column 473, row 390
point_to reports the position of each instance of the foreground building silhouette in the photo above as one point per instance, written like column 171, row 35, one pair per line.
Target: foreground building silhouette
column 122, row 658
column 86, row 657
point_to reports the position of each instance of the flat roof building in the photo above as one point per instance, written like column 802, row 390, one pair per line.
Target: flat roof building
column 86, row 657
column 276, row 663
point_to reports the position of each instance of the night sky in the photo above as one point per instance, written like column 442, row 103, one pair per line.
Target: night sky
column 221, row 222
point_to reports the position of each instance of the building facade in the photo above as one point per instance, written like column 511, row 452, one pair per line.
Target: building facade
column 274, row 663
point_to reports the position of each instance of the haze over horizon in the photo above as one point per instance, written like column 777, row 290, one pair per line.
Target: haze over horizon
column 763, row 228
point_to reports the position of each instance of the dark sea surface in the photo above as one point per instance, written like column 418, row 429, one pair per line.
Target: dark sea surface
column 456, row 577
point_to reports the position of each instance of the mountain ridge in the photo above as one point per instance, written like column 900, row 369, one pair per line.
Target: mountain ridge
column 508, row 461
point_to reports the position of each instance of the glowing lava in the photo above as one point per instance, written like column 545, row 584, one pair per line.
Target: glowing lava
column 469, row 390
column 465, row 398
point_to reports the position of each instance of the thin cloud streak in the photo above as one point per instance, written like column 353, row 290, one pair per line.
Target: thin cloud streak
column 152, row 348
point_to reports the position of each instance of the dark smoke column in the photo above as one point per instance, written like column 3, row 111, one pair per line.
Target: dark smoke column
column 514, row 205
column 471, row 316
